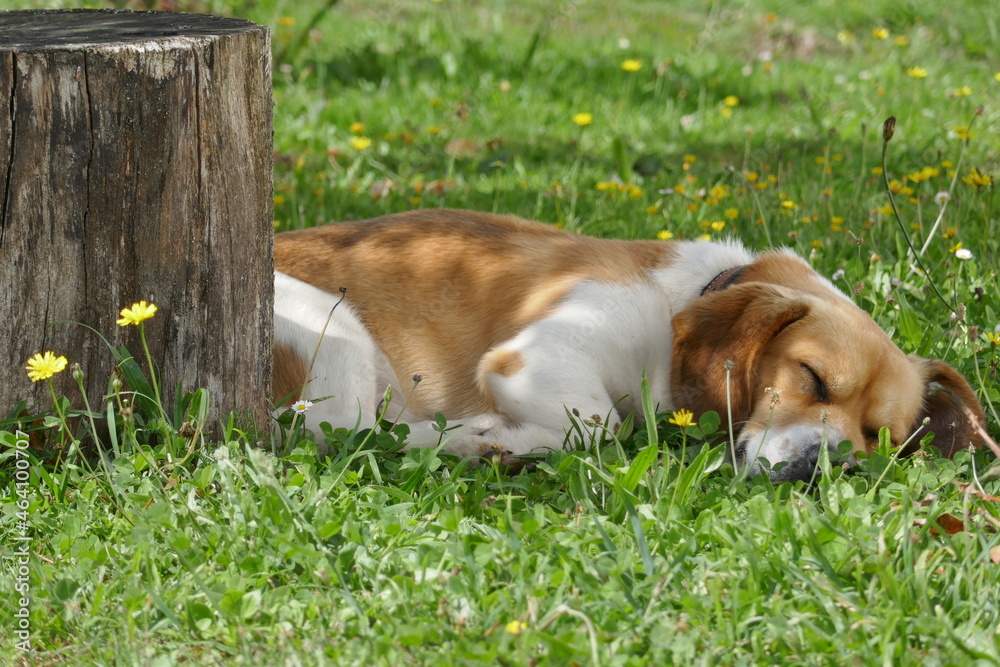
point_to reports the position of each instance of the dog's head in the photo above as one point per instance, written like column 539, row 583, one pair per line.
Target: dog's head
column 809, row 369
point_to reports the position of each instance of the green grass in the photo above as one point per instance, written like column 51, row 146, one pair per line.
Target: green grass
column 648, row 550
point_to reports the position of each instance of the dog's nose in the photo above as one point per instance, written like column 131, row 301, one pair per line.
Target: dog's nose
column 804, row 466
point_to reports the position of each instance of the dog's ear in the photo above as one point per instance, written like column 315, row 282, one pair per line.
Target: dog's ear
column 734, row 325
column 950, row 408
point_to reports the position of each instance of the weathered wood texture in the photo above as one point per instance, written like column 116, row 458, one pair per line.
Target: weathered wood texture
column 135, row 163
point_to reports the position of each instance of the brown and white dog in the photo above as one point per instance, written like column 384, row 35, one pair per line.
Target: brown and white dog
column 511, row 324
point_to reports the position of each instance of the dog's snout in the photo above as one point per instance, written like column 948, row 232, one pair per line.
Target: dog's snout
column 805, row 466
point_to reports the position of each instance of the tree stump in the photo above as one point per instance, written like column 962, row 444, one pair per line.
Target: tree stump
column 136, row 163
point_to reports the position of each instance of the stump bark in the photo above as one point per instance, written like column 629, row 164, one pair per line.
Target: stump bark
column 136, row 163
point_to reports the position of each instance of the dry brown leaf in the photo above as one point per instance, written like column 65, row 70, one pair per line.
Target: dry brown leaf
column 969, row 488
column 463, row 148
column 950, row 524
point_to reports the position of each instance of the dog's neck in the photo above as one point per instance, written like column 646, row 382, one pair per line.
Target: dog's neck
column 723, row 280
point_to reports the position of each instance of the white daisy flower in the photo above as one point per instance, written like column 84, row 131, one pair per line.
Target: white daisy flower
column 963, row 253
column 941, row 198
column 300, row 406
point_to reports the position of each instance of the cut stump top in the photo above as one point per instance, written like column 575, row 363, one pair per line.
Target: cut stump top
column 34, row 30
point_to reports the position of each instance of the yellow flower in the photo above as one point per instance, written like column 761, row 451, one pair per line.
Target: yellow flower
column 837, row 220
column 652, row 210
column 631, row 65
column 279, row 200
column 732, row 213
column 789, row 204
column 690, row 158
column 718, row 225
column 816, row 244
column 900, row 40
column 683, row 418
column 978, row 179
column 516, row 627
column 956, row 247
column 997, row 76
column 726, row 112
column 357, row 128
column 360, row 143
column 731, row 100
column 139, row 312
column 583, row 119
column 880, row 33
column 876, row 170
column 286, row 21
column 993, row 337
column 664, row 234
column 963, row 133
column 885, row 210
column 962, row 92
column 916, row 72
column 44, row 366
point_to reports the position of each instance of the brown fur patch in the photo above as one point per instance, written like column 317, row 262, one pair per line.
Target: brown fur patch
column 289, row 374
column 502, row 362
column 438, row 289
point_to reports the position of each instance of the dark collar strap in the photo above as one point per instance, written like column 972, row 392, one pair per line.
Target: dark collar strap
column 723, row 280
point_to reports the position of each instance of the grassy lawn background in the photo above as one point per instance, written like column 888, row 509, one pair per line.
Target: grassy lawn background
column 752, row 119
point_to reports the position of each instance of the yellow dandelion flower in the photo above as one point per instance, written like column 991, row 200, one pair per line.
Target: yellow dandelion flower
column 731, row 100
column 705, row 237
column 885, row 210
column 286, row 21
column 279, row 200
column 816, row 244
column 963, row 133
column 789, row 204
column 664, row 234
column 516, row 627
column 916, row 72
column 583, row 119
column 683, row 418
column 880, row 33
column 653, row 210
column 718, row 225
column 900, row 40
column 436, row 129
column 357, row 128
column 963, row 91
column 634, row 191
column 631, row 65
column 997, row 76
column 837, row 220
column 956, row 247
column 360, row 143
column 876, row 170
column 690, row 158
column 949, row 232
column 978, row 179
column 138, row 313
column 44, row 366
column 732, row 213
column 993, row 337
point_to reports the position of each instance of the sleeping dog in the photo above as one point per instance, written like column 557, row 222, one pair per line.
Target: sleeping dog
column 512, row 325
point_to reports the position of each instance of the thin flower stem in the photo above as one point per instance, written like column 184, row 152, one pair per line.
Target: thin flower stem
column 887, row 135
column 152, row 371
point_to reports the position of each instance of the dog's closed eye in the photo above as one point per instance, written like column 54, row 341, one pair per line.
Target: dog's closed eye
column 820, row 389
